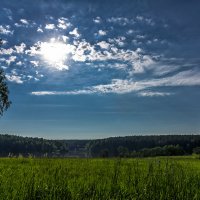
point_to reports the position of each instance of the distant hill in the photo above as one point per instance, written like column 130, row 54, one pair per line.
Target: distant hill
column 11, row 145
column 128, row 146
column 154, row 145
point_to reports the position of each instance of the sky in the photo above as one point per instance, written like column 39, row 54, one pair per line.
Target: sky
column 96, row 69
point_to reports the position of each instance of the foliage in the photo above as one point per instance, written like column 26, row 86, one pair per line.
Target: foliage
column 74, row 179
column 168, row 150
column 15, row 145
column 155, row 145
column 135, row 146
column 4, row 100
column 196, row 150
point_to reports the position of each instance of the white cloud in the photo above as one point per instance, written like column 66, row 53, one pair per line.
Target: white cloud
column 119, row 66
column 11, row 59
column 34, row 63
column 64, row 38
column 3, row 42
column 113, row 53
column 20, row 48
column 76, row 92
column 140, row 18
column 60, row 66
column 143, row 62
column 30, row 77
column 103, row 45
column 24, row 21
column 17, row 49
column 119, row 41
column 79, row 51
column 140, row 36
column 153, row 94
column 75, row 33
column 63, row 23
column 5, row 30
column 184, row 78
column 6, row 51
column 97, row 20
column 79, row 57
column 50, row 26
column 19, row 63
column 62, row 26
column 130, row 32
column 53, row 54
column 155, row 40
column 82, row 51
column 123, row 21
column 14, row 78
column 160, row 70
column 102, row 33
column 148, row 21
column 62, row 20
column 17, row 25
column 39, row 29
column 118, row 86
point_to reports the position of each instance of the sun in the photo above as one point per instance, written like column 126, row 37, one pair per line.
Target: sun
column 55, row 53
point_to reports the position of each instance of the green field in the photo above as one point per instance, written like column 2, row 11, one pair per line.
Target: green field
column 150, row 178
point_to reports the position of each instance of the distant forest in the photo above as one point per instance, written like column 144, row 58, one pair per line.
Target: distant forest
column 129, row 146
column 11, row 146
column 146, row 146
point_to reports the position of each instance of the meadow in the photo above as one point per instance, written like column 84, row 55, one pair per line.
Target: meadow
column 59, row 179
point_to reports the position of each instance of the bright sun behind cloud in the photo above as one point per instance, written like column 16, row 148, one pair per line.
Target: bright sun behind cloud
column 55, row 53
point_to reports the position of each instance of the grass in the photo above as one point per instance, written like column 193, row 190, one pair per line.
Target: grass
column 59, row 179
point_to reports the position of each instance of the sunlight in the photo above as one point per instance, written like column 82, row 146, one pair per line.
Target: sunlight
column 55, row 53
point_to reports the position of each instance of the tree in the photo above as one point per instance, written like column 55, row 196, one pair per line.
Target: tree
column 196, row 150
column 4, row 101
column 104, row 153
column 123, row 151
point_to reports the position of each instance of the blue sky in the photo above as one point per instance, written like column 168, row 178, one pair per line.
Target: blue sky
column 95, row 69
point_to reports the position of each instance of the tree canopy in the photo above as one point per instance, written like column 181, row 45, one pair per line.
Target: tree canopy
column 4, row 100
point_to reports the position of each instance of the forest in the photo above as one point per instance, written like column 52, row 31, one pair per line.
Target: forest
column 144, row 146
column 12, row 146
column 129, row 146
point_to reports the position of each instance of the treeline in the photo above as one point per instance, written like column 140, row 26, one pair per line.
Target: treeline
column 144, row 146
column 130, row 146
column 11, row 146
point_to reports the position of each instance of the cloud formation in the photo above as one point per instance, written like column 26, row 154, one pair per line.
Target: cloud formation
column 6, row 30
column 119, row 49
column 118, row 86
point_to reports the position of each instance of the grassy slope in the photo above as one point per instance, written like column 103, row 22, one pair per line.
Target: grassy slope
column 151, row 178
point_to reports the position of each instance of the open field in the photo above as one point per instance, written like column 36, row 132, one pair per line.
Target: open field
column 151, row 178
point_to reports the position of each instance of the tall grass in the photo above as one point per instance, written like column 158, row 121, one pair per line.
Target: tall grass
column 59, row 179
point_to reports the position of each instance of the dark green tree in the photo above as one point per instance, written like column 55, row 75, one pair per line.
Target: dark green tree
column 4, row 100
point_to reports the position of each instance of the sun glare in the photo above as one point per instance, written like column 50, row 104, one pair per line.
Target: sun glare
column 55, row 53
